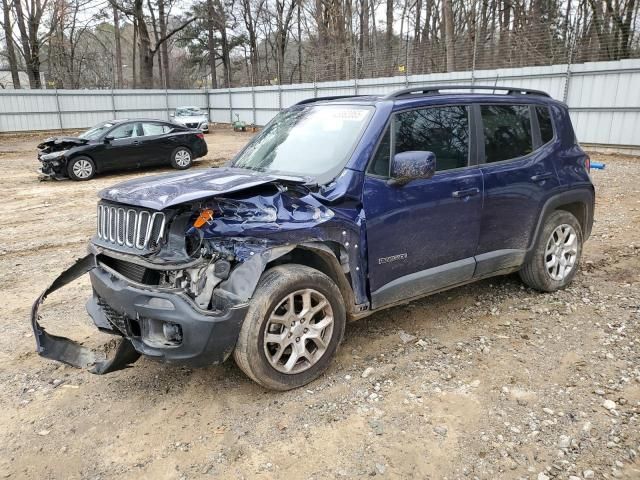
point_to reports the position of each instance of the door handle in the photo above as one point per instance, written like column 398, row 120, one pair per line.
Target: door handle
column 137, row 142
column 465, row 193
column 542, row 177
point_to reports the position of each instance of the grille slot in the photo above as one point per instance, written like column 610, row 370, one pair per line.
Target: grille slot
column 131, row 270
column 130, row 227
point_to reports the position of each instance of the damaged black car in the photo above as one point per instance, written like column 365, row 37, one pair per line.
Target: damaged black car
column 120, row 145
column 338, row 208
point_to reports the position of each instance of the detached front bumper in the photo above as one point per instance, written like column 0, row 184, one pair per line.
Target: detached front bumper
column 137, row 314
column 54, row 169
column 163, row 325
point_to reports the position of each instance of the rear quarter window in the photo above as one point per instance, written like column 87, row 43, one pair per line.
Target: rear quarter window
column 545, row 123
column 507, row 132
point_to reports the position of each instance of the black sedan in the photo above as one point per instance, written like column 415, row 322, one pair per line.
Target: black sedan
column 120, row 144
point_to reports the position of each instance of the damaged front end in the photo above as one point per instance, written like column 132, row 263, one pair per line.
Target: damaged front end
column 52, row 155
column 173, row 279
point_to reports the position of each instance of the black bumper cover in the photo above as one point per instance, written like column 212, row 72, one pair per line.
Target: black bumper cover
column 207, row 338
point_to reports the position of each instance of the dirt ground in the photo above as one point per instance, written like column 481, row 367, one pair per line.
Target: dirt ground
column 487, row 381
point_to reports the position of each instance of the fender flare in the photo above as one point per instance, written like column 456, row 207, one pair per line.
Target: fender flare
column 583, row 195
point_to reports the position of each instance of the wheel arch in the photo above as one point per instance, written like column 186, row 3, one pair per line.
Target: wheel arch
column 324, row 257
column 76, row 155
column 80, row 154
column 579, row 202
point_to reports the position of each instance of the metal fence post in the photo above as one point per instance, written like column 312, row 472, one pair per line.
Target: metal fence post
column 355, row 78
column 253, row 104
column 315, row 79
column 166, row 102
column 113, row 103
column 567, row 79
column 406, row 62
column 208, row 101
column 59, row 111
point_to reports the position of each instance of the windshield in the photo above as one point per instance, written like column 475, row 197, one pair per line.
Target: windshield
column 188, row 111
column 313, row 141
column 95, row 132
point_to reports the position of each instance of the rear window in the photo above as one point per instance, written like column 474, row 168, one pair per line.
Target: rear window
column 546, row 126
column 507, row 132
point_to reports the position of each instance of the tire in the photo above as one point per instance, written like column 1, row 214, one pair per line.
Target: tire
column 81, row 169
column 556, row 257
column 181, row 158
column 270, row 364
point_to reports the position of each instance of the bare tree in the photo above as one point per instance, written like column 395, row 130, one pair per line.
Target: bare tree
column 8, row 35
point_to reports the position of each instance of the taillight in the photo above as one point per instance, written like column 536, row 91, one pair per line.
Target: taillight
column 587, row 163
column 200, row 136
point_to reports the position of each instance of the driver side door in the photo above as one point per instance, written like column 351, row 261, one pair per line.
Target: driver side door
column 422, row 236
column 124, row 151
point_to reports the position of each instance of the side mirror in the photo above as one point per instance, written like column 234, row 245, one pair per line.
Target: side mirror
column 172, row 115
column 407, row 166
column 108, row 139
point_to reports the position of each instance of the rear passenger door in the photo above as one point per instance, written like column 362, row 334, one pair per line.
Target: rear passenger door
column 422, row 236
column 519, row 176
column 156, row 144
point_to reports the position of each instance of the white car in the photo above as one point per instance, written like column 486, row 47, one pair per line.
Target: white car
column 192, row 117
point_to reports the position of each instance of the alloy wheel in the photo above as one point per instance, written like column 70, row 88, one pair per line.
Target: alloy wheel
column 298, row 331
column 561, row 252
column 183, row 158
column 82, row 169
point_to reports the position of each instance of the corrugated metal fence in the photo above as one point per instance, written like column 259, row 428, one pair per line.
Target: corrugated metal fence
column 604, row 99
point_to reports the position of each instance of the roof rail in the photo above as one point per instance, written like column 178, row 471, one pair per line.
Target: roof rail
column 322, row 99
column 431, row 90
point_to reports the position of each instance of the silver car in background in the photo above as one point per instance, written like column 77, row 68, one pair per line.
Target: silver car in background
column 192, row 117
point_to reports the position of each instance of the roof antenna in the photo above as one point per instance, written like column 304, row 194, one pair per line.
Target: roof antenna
column 494, row 84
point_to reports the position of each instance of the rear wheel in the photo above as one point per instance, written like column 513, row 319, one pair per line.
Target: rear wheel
column 556, row 256
column 81, row 168
column 292, row 329
column 181, row 158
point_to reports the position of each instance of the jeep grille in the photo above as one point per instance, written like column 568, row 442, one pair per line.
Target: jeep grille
column 130, row 227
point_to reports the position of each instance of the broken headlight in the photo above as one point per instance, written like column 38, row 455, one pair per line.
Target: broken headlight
column 53, row 156
column 251, row 212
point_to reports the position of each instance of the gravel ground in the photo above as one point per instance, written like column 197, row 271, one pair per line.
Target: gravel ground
column 491, row 380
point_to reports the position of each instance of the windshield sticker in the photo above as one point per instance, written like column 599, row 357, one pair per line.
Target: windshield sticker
column 354, row 114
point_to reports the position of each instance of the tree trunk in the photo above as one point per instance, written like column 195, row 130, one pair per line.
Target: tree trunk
column 133, row 54
column 164, row 48
column 211, row 44
column 34, row 81
column 118, row 45
column 11, row 53
column 299, row 2
column 389, row 35
column 447, row 14
column 146, row 54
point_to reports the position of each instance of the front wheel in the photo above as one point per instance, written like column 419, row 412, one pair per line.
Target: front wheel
column 81, row 168
column 556, row 256
column 181, row 158
column 293, row 327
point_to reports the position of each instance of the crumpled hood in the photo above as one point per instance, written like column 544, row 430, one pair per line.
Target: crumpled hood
column 63, row 141
column 162, row 191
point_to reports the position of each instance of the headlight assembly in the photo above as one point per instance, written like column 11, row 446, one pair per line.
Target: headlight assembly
column 53, row 156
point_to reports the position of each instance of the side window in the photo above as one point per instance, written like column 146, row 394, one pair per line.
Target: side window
column 124, row 131
column 441, row 130
column 546, row 126
column 149, row 129
column 507, row 132
column 380, row 162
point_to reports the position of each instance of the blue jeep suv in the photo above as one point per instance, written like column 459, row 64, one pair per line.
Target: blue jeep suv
column 338, row 208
